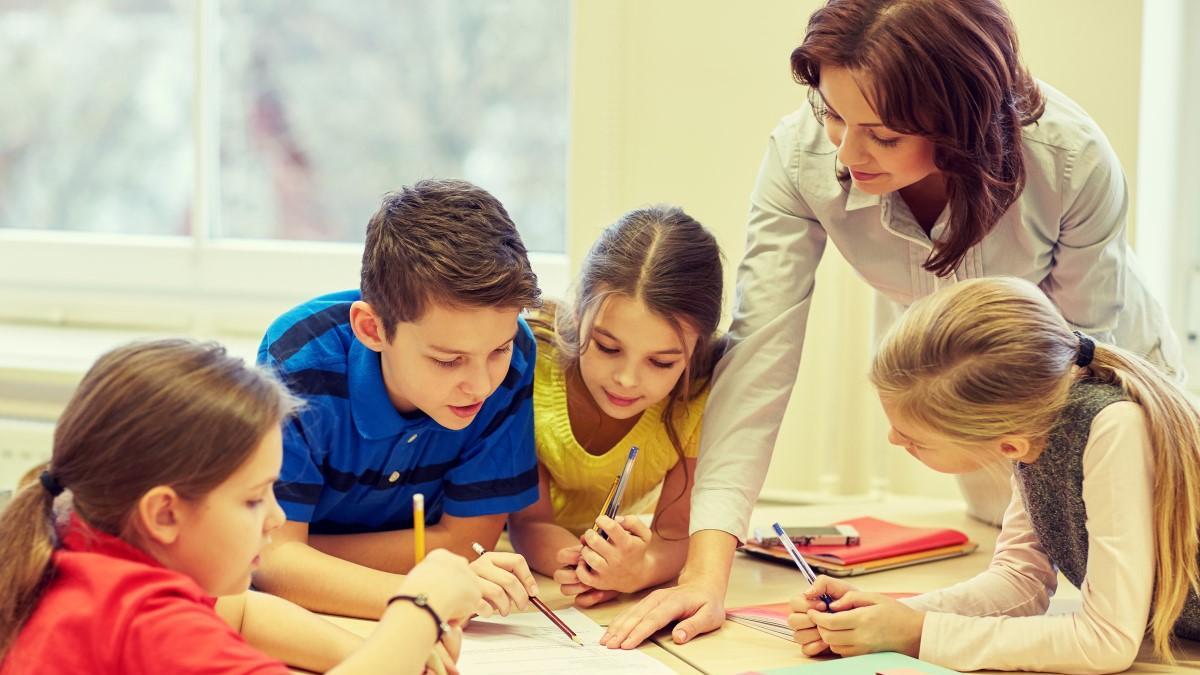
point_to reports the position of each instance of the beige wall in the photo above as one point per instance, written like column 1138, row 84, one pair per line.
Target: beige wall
column 673, row 102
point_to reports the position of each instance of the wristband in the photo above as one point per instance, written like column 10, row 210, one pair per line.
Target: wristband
column 422, row 601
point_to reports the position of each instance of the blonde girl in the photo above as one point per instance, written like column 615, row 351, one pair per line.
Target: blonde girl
column 628, row 363
column 1106, row 488
column 159, row 497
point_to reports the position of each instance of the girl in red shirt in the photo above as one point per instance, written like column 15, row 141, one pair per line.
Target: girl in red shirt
column 159, row 497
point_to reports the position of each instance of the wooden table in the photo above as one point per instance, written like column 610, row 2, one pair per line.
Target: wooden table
column 736, row 648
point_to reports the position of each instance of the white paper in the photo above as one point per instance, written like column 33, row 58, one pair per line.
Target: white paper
column 527, row 644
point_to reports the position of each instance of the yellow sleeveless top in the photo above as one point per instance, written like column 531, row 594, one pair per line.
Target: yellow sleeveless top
column 579, row 480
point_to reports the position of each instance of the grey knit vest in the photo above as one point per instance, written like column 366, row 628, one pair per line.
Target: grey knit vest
column 1052, row 488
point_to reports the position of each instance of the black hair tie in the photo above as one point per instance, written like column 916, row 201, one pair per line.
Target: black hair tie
column 1087, row 350
column 51, row 484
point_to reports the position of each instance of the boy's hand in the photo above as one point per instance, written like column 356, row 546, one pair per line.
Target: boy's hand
column 619, row 562
column 869, row 622
column 505, row 581
column 806, row 634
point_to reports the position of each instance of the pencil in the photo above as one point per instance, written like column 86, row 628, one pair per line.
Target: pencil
column 805, row 569
column 612, row 491
column 542, row 607
column 418, row 527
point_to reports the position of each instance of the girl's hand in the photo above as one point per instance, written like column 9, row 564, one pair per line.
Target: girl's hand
column 504, row 580
column 806, row 633
column 594, row 596
column 447, row 580
column 619, row 562
column 864, row 623
column 568, row 580
column 445, row 654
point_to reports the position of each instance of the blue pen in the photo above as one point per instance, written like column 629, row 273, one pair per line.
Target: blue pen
column 801, row 562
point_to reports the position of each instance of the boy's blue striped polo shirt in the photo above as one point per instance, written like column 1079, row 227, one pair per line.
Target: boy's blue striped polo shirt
column 351, row 461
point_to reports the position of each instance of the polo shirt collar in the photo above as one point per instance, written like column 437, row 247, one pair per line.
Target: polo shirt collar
column 857, row 199
column 374, row 415
column 79, row 536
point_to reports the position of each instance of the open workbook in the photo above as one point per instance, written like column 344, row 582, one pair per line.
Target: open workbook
column 528, row 644
column 772, row 618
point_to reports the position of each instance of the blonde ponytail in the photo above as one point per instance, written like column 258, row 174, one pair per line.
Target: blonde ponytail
column 1174, row 428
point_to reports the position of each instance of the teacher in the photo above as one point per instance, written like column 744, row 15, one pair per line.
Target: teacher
column 929, row 156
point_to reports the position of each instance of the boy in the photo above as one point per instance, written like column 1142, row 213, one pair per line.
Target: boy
column 420, row 382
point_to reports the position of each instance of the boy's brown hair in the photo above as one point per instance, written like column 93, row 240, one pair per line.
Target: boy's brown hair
column 445, row 241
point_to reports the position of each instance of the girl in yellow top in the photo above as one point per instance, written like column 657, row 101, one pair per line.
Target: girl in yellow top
column 628, row 364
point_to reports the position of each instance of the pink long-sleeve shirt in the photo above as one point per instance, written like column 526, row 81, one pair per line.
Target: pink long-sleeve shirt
column 997, row 619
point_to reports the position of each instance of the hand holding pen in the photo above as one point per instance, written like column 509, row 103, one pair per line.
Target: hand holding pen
column 801, row 563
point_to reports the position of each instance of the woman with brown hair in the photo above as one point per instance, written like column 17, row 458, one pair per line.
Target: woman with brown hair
column 929, row 156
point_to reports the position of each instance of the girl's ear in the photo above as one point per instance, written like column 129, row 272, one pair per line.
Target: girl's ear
column 1017, row 449
column 367, row 326
column 159, row 515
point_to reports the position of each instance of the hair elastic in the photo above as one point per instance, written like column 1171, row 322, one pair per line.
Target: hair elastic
column 1087, row 350
column 51, row 484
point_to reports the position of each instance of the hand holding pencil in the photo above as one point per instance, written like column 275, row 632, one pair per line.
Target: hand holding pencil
column 541, row 606
column 506, row 582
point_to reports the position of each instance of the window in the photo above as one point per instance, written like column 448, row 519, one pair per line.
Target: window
column 1168, row 207
column 237, row 148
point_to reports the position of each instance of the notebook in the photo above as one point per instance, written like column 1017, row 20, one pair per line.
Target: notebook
column 883, row 546
column 772, row 618
column 883, row 663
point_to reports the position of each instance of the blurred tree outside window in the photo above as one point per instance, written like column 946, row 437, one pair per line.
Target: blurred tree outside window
column 323, row 107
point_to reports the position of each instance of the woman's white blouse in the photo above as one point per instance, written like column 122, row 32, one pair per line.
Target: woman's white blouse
column 1066, row 232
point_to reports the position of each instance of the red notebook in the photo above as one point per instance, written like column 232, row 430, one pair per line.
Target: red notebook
column 881, row 539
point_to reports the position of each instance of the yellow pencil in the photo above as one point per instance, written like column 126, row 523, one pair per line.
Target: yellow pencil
column 612, row 491
column 418, row 527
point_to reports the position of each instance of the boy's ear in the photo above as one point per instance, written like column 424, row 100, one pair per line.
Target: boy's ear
column 1017, row 448
column 367, row 326
column 159, row 515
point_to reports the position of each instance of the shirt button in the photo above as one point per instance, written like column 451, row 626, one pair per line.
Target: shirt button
column 394, row 477
column 412, row 438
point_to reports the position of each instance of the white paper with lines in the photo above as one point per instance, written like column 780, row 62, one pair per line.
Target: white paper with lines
column 528, row 644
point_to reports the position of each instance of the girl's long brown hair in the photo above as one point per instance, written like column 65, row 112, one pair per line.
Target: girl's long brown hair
column 948, row 70
column 167, row 412
column 665, row 258
column 987, row 358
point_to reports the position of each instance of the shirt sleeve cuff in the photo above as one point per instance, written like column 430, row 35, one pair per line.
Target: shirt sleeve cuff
column 724, row 510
